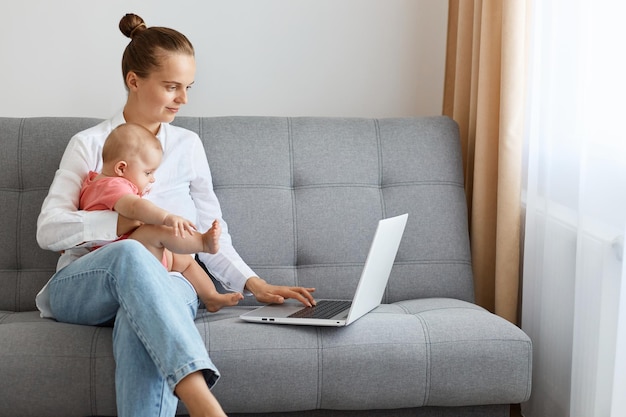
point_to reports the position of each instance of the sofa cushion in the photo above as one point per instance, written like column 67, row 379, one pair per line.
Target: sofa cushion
column 47, row 363
column 430, row 352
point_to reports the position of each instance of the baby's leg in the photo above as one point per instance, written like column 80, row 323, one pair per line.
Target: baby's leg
column 146, row 236
column 156, row 237
column 212, row 238
column 202, row 283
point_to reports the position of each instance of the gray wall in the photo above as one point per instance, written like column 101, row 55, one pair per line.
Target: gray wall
column 370, row 58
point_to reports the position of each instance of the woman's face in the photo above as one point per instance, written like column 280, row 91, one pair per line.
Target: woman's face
column 157, row 98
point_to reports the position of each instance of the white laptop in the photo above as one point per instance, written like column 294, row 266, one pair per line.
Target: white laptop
column 369, row 291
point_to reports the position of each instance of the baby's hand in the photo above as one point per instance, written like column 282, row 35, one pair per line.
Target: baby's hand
column 180, row 225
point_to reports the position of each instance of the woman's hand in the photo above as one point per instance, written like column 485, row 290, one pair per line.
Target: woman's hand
column 277, row 294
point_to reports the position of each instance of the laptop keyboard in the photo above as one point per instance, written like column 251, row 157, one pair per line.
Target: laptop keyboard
column 324, row 309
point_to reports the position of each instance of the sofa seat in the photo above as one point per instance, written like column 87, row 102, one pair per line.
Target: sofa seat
column 426, row 352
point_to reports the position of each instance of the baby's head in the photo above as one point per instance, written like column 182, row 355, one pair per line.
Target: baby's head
column 133, row 152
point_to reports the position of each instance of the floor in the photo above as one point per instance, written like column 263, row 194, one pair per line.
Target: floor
column 515, row 411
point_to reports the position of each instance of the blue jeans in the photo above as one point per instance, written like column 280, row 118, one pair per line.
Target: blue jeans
column 155, row 340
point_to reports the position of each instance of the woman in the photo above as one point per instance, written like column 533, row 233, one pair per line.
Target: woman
column 159, row 354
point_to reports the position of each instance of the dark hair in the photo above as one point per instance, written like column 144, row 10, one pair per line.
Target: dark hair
column 148, row 45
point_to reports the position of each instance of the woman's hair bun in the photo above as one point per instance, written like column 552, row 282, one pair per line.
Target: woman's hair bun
column 131, row 24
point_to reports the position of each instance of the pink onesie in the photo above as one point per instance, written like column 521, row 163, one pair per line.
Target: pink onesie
column 104, row 193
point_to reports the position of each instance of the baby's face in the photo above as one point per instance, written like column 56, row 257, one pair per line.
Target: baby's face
column 140, row 170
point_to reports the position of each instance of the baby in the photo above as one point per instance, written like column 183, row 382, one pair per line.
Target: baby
column 130, row 156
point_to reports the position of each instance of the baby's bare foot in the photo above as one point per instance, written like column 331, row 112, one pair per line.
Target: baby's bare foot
column 211, row 239
column 216, row 301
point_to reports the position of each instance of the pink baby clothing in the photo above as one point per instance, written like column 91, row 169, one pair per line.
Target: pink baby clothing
column 104, row 193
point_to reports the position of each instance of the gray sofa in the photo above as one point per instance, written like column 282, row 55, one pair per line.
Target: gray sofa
column 301, row 197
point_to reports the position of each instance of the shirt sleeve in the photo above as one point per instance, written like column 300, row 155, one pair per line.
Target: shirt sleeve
column 226, row 265
column 61, row 225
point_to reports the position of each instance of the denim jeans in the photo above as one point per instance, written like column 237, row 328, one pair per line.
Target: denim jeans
column 155, row 340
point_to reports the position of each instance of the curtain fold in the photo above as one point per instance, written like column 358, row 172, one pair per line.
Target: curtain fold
column 484, row 93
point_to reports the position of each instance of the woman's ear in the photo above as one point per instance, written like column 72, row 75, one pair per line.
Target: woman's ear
column 119, row 168
column 131, row 80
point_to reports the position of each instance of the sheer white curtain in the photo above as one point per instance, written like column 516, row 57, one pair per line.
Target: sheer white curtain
column 574, row 285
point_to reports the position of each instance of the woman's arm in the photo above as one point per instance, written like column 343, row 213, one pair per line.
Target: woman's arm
column 60, row 224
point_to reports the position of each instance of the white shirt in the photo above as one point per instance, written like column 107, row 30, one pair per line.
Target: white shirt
column 183, row 186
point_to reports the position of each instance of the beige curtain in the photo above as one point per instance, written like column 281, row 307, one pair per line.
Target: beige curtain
column 484, row 94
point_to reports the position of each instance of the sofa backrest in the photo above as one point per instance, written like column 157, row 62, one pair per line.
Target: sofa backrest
column 301, row 197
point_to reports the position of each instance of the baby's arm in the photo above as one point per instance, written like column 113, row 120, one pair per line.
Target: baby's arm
column 137, row 208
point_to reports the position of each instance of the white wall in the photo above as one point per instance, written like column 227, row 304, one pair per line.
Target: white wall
column 369, row 58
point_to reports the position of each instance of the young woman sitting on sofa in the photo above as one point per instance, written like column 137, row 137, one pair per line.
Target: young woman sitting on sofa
column 159, row 354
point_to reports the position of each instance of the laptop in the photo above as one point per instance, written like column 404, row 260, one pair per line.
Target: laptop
column 368, row 295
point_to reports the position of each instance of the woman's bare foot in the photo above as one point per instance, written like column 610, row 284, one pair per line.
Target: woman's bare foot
column 211, row 239
column 216, row 301
column 199, row 400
